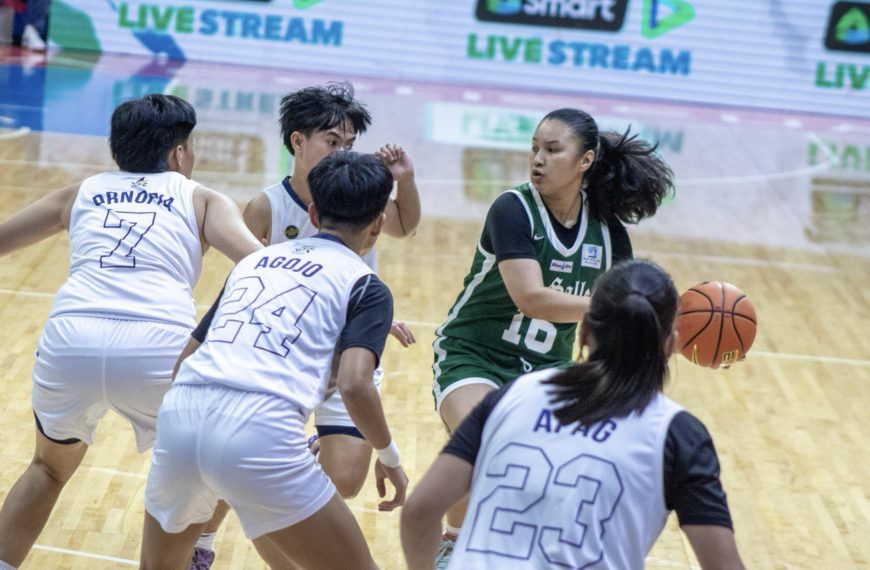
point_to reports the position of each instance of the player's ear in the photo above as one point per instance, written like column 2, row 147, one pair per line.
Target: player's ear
column 377, row 226
column 585, row 340
column 176, row 158
column 296, row 140
column 313, row 215
column 671, row 343
column 586, row 160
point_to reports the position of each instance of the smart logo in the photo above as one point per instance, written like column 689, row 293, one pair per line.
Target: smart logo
column 849, row 27
column 504, row 7
column 656, row 23
column 600, row 15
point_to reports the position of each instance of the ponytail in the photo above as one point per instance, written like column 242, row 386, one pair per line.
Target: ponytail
column 628, row 180
column 630, row 321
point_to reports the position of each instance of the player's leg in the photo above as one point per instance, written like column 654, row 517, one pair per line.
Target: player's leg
column 454, row 408
column 32, row 498
column 68, row 404
column 178, row 501
column 136, row 382
column 346, row 460
column 463, row 376
column 330, row 539
column 344, row 453
column 164, row 551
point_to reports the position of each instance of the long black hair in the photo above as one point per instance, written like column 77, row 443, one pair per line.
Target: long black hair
column 628, row 179
column 630, row 323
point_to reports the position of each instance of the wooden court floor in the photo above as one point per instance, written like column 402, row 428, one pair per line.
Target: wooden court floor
column 789, row 423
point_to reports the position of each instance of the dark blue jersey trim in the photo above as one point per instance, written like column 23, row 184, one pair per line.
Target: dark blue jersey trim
column 292, row 193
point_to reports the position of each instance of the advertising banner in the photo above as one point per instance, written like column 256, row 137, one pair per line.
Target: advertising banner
column 798, row 55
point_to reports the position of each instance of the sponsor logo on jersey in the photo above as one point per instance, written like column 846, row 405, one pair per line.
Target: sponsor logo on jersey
column 561, row 266
column 141, row 183
column 536, row 237
column 291, row 232
column 592, row 256
column 600, row 15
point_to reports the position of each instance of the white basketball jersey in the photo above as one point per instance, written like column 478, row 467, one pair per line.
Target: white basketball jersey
column 545, row 496
column 278, row 322
column 290, row 218
column 135, row 250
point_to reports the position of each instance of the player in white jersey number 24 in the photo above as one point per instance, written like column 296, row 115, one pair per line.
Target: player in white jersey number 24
column 295, row 321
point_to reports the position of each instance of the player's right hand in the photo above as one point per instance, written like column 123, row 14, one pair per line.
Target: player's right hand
column 397, row 477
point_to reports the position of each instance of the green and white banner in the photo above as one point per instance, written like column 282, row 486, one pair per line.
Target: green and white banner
column 793, row 55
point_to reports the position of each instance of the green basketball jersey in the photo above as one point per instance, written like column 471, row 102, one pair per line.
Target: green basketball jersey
column 484, row 312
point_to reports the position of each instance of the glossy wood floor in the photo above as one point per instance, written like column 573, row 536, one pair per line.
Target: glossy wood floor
column 779, row 210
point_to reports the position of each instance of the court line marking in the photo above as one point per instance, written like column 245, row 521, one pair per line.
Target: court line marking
column 754, row 353
column 85, row 554
column 775, row 355
column 20, row 132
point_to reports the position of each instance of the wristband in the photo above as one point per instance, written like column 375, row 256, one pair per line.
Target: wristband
column 389, row 455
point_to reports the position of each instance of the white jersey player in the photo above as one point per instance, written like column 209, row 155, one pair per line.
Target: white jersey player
column 291, row 317
column 315, row 122
column 580, row 467
column 118, row 324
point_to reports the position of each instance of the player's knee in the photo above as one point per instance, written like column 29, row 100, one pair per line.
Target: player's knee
column 55, row 473
column 348, row 483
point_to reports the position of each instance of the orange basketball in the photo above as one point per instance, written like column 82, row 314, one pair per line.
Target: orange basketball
column 715, row 325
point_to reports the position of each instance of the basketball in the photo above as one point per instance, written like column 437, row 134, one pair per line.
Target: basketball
column 715, row 325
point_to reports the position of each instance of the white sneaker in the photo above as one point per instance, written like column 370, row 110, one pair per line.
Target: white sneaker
column 31, row 39
column 445, row 549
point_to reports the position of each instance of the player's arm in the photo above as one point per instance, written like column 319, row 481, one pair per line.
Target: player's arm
column 258, row 217
column 197, row 337
column 192, row 345
column 221, row 224
column 370, row 316
column 694, row 491
column 525, row 285
column 507, row 234
column 39, row 220
column 403, row 211
column 446, row 482
column 714, row 546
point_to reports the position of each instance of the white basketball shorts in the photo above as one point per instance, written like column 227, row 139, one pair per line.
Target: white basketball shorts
column 247, row 448
column 332, row 413
column 86, row 366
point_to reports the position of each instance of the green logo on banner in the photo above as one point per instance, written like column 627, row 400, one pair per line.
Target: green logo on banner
column 853, row 28
column 304, row 4
column 654, row 25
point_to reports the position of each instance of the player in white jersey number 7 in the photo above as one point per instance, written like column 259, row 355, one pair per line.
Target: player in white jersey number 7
column 118, row 324
column 233, row 425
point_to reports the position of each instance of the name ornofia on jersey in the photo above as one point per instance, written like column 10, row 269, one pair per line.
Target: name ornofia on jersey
column 133, row 197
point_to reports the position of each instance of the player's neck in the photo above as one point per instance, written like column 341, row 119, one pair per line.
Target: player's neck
column 355, row 241
column 565, row 207
column 299, row 183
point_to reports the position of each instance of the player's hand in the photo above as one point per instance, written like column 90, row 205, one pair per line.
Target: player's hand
column 399, row 480
column 402, row 333
column 396, row 160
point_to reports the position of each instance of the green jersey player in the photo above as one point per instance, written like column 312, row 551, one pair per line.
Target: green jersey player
column 543, row 246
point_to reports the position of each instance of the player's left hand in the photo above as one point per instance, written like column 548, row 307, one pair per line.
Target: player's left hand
column 399, row 480
column 402, row 333
column 397, row 160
